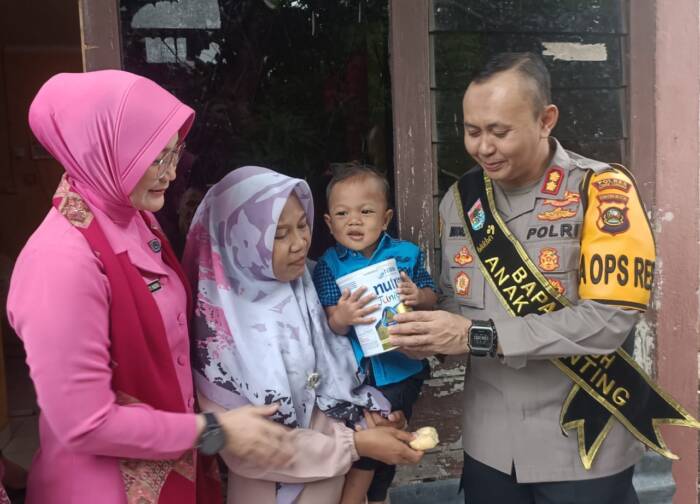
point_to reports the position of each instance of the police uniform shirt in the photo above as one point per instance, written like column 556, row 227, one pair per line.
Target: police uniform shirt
column 512, row 405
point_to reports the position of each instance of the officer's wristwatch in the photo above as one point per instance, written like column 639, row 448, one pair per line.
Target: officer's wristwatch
column 212, row 439
column 483, row 340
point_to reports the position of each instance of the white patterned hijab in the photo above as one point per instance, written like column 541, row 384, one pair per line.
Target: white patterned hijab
column 258, row 340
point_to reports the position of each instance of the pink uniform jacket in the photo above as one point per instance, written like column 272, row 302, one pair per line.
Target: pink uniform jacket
column 83, row 431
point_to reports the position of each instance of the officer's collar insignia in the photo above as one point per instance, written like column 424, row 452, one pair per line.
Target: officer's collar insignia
column 552, row 180
column 477, row 217
column 462, row 284
column 463, row 256
column 456, row 231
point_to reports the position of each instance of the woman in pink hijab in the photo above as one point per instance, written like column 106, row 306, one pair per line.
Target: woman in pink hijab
column 102, row 307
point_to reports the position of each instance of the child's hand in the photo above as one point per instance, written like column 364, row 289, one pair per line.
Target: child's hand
column 409, row 292
column 352, row 308
column 396, row 419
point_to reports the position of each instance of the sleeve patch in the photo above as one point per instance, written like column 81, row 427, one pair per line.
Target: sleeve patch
column 617, row 246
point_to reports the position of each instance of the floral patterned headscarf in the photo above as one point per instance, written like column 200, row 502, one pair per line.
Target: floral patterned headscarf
column 258, row 340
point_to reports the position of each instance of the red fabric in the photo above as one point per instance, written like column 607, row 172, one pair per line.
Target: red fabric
column 142, row 363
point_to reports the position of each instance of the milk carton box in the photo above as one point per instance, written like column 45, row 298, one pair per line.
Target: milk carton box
column 382, row 280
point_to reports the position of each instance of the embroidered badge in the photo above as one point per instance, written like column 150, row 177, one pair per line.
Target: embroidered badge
column 556, row 214
column 456, row 231
column 74, row 209
column 477, row 217
column 569, row 199
column 612, row 183
column 462, row 284
column 463, row 256
column 558, row 285
column 612, row 213
column 552, row 180
column 549, row 259
column 155, row 245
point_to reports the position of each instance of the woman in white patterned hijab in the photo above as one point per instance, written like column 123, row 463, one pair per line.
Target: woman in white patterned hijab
column 261, row 337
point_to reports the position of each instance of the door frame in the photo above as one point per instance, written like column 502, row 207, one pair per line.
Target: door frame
column 664, row 155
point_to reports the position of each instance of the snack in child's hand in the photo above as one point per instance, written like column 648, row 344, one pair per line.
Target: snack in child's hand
column 426, row 438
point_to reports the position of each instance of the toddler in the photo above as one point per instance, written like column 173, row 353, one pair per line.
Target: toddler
column 358, row 216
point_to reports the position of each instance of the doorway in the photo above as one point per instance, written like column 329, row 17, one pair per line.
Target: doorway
column 38, row 38
column 293, row 85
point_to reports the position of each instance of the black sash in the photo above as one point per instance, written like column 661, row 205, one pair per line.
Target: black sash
column 614, row 385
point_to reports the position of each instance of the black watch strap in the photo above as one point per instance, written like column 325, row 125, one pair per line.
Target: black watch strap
column 212, row 439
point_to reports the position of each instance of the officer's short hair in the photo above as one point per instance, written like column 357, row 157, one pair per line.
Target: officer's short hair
column 530, row 66
column 347, row 171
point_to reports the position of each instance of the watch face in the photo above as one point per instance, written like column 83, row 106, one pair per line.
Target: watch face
column 481, row 338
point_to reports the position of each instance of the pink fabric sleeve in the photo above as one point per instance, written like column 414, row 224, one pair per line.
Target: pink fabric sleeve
column 325, row 451
column 59, row 306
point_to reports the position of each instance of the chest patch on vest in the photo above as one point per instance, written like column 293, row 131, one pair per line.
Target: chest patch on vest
column 462, row 282
column 456, row 231
column 463, row 257
column 549, row 259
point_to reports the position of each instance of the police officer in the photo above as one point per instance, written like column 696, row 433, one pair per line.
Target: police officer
column 547, row 257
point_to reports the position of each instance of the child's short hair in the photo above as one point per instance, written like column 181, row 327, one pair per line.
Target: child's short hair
column 346, row 171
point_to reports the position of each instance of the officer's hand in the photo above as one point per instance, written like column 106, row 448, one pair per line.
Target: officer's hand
column 420, row 334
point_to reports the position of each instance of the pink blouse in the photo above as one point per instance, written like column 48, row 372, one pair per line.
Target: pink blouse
column 59, row 306
column 323, row 455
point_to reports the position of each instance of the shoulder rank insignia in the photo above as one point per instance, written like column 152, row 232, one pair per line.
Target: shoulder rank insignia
column 462, row 284
column 549, row 259
column 463, row 256
column 552, row 180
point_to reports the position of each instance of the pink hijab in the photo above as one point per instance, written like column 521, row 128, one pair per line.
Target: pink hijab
column 106, row 128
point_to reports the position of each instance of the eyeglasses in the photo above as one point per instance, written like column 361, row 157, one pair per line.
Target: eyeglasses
column 169, row 159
